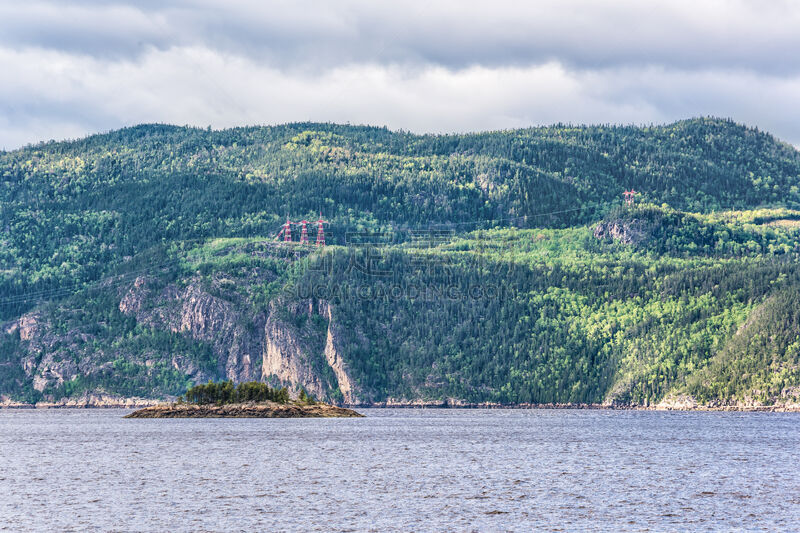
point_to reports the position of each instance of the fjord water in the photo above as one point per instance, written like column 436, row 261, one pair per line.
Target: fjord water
column 401, row 469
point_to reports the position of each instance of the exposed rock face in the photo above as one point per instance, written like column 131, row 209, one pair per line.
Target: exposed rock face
column 288, row 354
column 6, row 402
column 334, row 359
column 27, row 325
column 131, row 303
column 51, row 357
column 44, row 362
column 628, row 232
column 296, row 344
column 85, row 400
column 52, row 371
column 286, row 357
column 216, row 321
column 202, row 316
column 98, row 400
column 677, row 403
column 292, row 356
column 787, row 402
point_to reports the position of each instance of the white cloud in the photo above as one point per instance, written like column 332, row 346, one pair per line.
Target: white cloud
column 422, row 66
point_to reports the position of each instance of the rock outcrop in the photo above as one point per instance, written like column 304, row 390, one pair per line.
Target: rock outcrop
column 98, row 400
column 294, row 344
column 27, row 326
column 245, row 410
column 290, row 355
column 626, row 232
column 46, row 361
column 293, row 356
column 83, row 401
column 334, row 358
column 683, row 402
column 197, row 313
column 677, row 403
column 287, row 356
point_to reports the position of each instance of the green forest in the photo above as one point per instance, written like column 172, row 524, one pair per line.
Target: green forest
column 497, row 267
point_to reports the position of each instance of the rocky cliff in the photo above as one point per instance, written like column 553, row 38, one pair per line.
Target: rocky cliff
column 51, row 357
column 296, row 355
column 624, row 231
column 334, row 358
column 202, row 328
column 220, row 320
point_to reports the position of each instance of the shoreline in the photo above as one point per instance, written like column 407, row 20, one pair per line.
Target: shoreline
column 140, row 403
column 77, row 405
column 595, row 407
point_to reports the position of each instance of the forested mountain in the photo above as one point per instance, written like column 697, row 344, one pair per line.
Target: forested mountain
column 499, row 267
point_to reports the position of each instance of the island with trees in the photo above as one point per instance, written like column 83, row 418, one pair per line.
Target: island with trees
column 246, row 400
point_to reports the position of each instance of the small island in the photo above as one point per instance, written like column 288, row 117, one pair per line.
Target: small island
column 246, row 400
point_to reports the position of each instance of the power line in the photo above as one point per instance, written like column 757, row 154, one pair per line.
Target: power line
column 523, row 217
column 117, row 279
column 108, row 281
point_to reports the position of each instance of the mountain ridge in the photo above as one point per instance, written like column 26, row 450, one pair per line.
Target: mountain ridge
column 491, row 267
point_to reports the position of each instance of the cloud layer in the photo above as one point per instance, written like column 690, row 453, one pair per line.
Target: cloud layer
column 70, row 70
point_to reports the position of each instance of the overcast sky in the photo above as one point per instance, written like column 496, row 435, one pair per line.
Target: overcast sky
column 68, row 69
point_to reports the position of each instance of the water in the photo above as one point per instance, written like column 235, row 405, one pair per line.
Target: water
column 419, row 470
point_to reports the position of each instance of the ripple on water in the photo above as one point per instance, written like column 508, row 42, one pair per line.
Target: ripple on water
column 401, row 470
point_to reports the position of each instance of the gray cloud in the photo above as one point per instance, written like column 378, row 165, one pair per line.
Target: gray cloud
column 425, row 66
column 745, row 34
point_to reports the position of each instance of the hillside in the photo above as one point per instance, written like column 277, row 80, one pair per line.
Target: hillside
column 495, row 267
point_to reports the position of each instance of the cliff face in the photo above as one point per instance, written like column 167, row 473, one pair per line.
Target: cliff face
column 294, row 344
column 298, row 356
column 195, row 312
column 287, row 357
column 626, row 232
column 49, row 359
column 290, row 354
column 334, row 358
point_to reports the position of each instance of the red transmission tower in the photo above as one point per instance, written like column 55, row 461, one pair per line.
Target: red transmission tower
column 286, row 231
column 629, row 196
column 303, row 232
column 321, row 231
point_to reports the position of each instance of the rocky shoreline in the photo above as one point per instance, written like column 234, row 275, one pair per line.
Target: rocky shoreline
column 245, row 410
column 670, row 404
column 93, row 401
column 590, row 406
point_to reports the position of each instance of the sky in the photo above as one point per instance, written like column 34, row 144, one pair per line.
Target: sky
column 73, row 68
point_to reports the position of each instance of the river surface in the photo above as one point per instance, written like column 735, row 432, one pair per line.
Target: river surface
column 401, row 469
